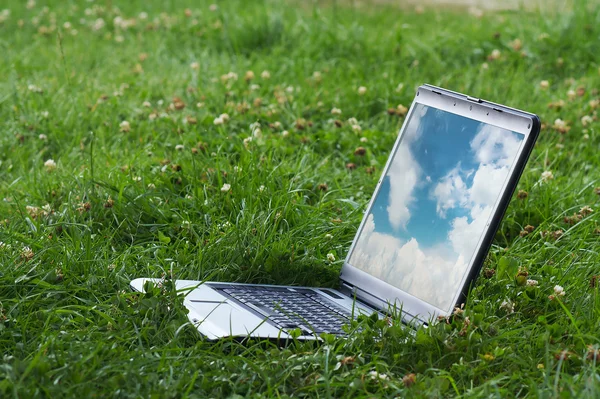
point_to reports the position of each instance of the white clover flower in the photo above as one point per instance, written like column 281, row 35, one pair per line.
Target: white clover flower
column 285, row 134
column 571, row 94
column 146, row 104
column 45, row 114
column 254, row 87
column 4, row 15
column 229, row 76
column 249, row 75
column 265, row 75
column 559, row 124
column 336, row 111
column 125, row 126
column 27, row 253
column 33, row 211
column 143, row 15
column 50, row 165
column 356, row 128
column 98, row 24
column 508, row 306
column 213, row 7
column 363, row 139
column 218, row 121
column 261, row 188
column 494, row 55
column 195, row 65
column 331, row 257
column 225, row 117
column 532, row 283
column 362, row 90
column 375, row 375
column 352, row 121
column 34, row 88
column 544, row 84
column 401, row 110
column 586, row 210
column 247, row 141
column 586, row 120
column 559, row 291
column 317, row 76
column 179, row 147
column 547, row 176
column 226, row 187
column 43, row 137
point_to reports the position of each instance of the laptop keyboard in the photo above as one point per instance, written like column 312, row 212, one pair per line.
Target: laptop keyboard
column 292, row 308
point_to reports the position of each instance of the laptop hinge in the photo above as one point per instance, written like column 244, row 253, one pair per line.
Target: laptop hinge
column 346, row 288
column 373, row 301
column 364, row 296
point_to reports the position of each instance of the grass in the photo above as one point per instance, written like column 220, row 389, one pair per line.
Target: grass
column 145, row 198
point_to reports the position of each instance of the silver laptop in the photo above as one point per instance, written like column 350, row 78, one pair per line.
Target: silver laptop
column 423, row 237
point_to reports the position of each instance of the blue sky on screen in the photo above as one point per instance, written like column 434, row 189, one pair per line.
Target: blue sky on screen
column 434, row 203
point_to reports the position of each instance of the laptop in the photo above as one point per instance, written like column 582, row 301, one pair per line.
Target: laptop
column 423, row 237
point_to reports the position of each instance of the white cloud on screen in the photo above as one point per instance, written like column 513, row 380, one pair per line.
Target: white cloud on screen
column 487, row 183
column 492, row 144
column 404, row 174
column 450, row 192
column 464, row 235
column 406, row 266
column 495, row 149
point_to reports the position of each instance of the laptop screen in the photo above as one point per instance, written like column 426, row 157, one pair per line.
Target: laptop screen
column 434, row 203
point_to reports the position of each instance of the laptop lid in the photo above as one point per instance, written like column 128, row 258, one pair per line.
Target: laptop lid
column 438, row 203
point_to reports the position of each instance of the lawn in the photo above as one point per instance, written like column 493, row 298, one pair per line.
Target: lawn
column 234, row 142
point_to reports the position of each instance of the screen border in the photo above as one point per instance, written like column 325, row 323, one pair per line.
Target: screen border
column 384, row 295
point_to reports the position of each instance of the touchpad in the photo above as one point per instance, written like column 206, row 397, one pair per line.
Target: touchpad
column 208, row 308
column 217, row 319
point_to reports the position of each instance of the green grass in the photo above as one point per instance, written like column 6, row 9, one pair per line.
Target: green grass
column 124, row 204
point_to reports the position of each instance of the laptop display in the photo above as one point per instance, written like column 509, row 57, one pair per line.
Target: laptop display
column 434, row 203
